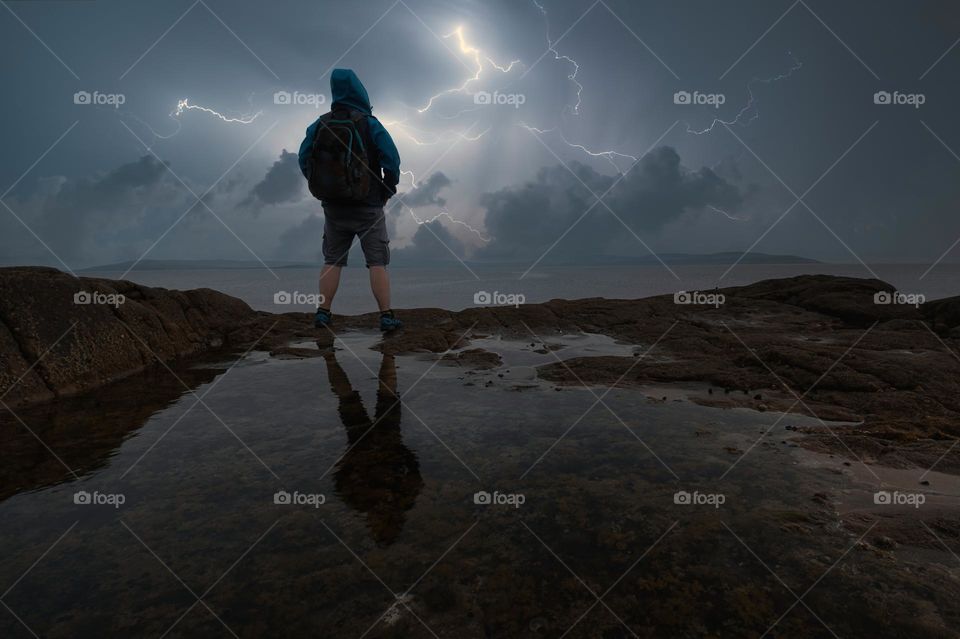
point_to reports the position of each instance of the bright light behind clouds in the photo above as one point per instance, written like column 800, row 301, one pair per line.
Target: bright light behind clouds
column 491, row 97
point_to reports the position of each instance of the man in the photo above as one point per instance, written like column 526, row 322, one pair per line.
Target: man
column 353, row 167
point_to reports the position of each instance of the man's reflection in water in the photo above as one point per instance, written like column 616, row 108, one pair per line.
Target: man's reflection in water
column 378, row 475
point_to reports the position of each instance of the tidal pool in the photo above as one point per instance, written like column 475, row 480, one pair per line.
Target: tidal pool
column 257, row 496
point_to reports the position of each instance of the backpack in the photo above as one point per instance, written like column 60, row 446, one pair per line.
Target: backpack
column 338, row 168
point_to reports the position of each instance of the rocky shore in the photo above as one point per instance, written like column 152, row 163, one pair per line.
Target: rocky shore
column 61, row 335
column 817, row 345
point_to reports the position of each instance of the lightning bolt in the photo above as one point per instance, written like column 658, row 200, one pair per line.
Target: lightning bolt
column 725, row 214
column 557, row 56
column 444, row 213
column 405, row 130
column 445, row 136
column 153, row 132
column 400, row 125
column 611, row 155
column 607, row 155
column 751, row 104
column 184, row 105
column 417, row 136
column 478, row 57
column 454, row 220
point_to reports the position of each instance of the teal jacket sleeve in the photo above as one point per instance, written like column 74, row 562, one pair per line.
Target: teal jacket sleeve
column 305, row 147
column 387, row 150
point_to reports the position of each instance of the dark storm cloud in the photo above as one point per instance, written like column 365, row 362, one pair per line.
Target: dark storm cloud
column 139, row 209
column 71, row 214
column 526, row 219
column 427, row 193
column 283, row 183
column 431, row 242
column 301, row 241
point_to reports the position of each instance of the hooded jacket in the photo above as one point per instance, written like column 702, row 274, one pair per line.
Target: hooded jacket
column 347, row 90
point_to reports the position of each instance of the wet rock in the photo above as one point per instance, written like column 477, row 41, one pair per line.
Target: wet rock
column 473, row 358
column 846, row 298
column 61, row 345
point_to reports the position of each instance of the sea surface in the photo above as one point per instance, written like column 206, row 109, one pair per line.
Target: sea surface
column 457, row 286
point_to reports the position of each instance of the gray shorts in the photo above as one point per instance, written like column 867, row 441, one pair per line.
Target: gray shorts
column 342, row 223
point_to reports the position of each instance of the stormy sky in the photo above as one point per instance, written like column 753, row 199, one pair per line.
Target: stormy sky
column 553, row 129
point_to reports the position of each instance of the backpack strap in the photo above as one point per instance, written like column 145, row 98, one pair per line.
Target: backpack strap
column 359, row 120
column 321, row 125
column 362, row 123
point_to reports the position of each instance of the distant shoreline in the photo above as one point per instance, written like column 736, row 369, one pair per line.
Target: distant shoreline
column 708, row 259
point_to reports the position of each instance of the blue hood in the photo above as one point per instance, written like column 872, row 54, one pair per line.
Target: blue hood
column 346, row 88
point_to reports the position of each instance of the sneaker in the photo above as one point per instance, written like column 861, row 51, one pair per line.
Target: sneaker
column 322, row 319
column 389, row 323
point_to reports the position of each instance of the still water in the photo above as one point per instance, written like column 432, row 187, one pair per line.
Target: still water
column 257, row 496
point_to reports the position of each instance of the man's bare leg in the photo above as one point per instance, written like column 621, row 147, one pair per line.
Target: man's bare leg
column 329, row 282
column 380, row 285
